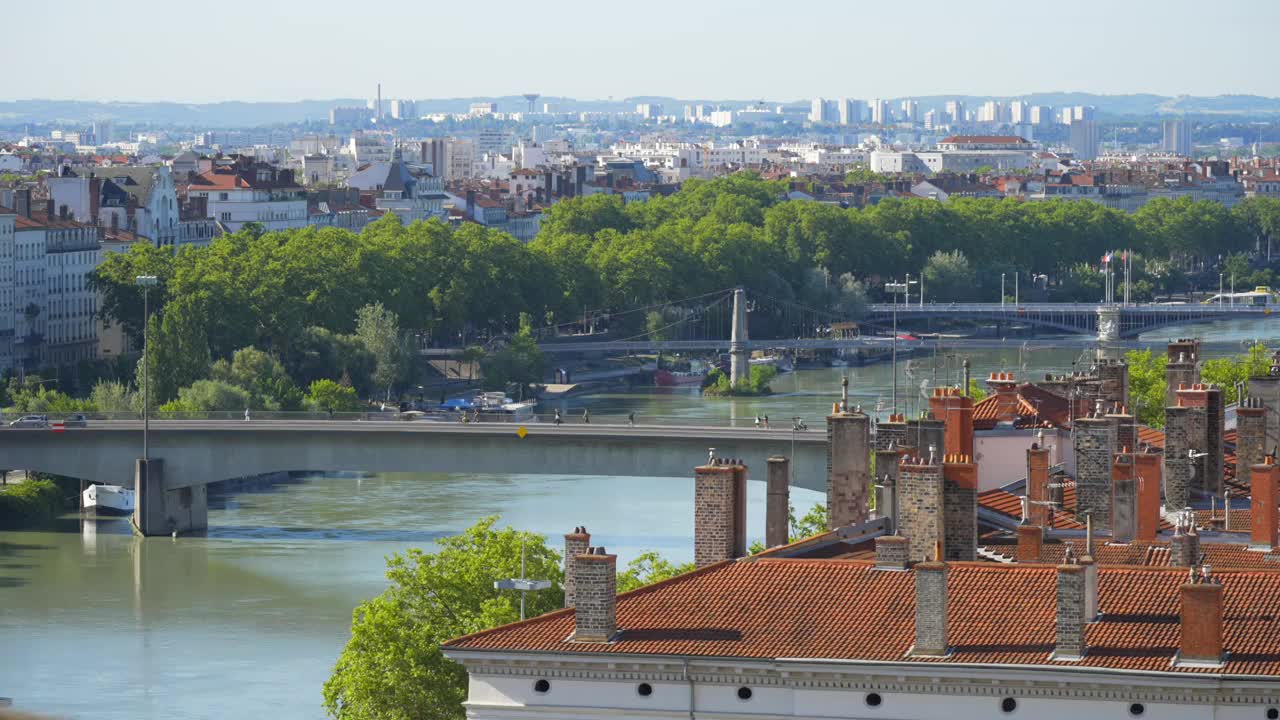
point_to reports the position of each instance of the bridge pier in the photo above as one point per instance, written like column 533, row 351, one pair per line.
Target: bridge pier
column 739, row 356
column 1108, row 323
column 159, row 511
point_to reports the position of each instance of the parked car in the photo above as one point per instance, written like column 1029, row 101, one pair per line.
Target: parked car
column 31, row 421
column 77, row 420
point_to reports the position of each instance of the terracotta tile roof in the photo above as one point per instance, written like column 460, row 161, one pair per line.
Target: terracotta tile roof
column 1010, row 505
column 836, row 609
column 1036, row 407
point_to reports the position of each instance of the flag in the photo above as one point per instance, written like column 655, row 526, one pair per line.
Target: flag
column 1106, row 259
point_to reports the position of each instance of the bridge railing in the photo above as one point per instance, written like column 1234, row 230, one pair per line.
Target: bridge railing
column 576, row 418
column 1012, row 308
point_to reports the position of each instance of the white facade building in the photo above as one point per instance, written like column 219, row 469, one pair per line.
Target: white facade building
column 247, row 192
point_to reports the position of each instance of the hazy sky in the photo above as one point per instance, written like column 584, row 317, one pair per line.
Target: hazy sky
column 730, row 49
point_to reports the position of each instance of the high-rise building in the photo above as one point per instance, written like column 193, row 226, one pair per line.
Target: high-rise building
column 649, row 111
column 991, row 112
column 955, row 111
column 880, row 112
column 823, row 111
column 850, row 111
column 1177, row 137
column 910, row 111
column 1041, row 115
column 1019, row 112
column 403, row 110
column 1084, row 139
column 931, row 120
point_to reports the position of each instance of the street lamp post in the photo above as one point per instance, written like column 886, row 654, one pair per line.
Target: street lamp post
column 146, row 282
column 895, row 289
column 1001, row 289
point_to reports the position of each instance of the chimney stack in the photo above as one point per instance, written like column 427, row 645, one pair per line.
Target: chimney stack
column 960, row 507
column 1030, row 543
column 931, row 610
column 1177, row 459
column 1004, row 385
column 1038, row 485
column 1113, row 377
column 777, row 506
column 575, row 544
column 848, row 468
column 1182, row 369
column 1124, row 498
column 1095, row 446
column 887, row 487
column 1201, row 615
column 596, row 605
column 1148, row 467
column 891, row 552
column 1263, row 514
column 927, row 435
column 719, row 512
column 956, row 411
column 921, row 506
column 1071, row 619
column 1204, row 433
column 892, row 432
column 1251, row 433
column 1184, row 548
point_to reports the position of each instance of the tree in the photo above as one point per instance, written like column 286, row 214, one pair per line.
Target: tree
column 116, row 279
column 177, row 352
column 262, row 377
column 520, row 362
column 949, row 276
column 392, row 667
column 329, row 396
column 113, row 396
column 379, row 331
column 648, row 568
column 208, row 396
column 1147, row 385
column 1229, row 372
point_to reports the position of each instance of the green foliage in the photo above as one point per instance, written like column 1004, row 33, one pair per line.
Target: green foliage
column 811, row 523
column 262, row 377
column 113, row 396
column 392, row 667
column 1147, row 385
column 976, row 391
column 648, row 568
column 378, row 329
column 177, row 350
column 717, row 383
column 208, row 396
column 949, row 275
column 116, row 278
column 519, row 363
column 33, row 502
column 319, row 353
column 35, row 397
column 329, row 396
column 1228, row 372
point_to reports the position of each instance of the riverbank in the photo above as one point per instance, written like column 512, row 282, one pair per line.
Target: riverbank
column 29, row 504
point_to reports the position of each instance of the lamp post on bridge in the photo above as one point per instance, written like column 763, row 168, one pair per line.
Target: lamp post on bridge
column 146, row 282
column 895, row 289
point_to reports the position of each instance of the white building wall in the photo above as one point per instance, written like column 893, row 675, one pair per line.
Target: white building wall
column 7, row 290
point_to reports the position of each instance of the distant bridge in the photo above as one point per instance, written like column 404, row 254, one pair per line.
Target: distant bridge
column 1099, row 319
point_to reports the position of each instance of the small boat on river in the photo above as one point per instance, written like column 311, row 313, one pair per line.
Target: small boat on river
column 108, row 500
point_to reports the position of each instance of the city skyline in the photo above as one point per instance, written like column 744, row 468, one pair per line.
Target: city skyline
column 987, row 50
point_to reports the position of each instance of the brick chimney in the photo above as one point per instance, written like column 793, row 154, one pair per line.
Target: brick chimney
column 1182, row 370
column 848, row 468
column 1201, row 627
column 1178, row 430
column 928, row 435
column 891, row 552
column 892, row 432
column 1251, row 437
column 1030, row 543
column 777, row 506
column 1184, row 547
column 1071, row 619
column 1262, row 511
column 22, row 201
column 596, row 605
column 1095, row 446
column 920, row 507
column 931, row 610
column 887, row 485
column 1148, row 468
column 1204, row 433
column 1113, row 377
column 1004, row 386
column 960, row 507
column 1124, row 498
column 956, row 410
column 1038, row 485
column 719, row 512
column 1126, row 430
column 1090, row 587
column 575, row 544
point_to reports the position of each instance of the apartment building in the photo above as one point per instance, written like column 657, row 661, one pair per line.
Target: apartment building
column 241, row 190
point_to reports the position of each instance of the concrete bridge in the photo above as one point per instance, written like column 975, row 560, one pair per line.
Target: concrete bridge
column 187, row 455
column 1109, row 321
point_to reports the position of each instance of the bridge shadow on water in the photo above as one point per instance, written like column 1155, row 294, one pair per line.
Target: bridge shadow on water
column 338, row 534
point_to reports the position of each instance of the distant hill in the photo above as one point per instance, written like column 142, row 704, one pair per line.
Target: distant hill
column 249, row 114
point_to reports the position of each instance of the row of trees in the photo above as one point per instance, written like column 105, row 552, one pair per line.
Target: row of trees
column 1147, row 378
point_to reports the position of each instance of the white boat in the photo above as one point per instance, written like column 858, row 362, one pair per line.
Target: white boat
column 108, row 500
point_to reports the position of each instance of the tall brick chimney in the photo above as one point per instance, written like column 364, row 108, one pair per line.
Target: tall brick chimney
column 1266, row 388
column 1124, row 498
column 931, row 610
column 1178, row 429
column 1183, row 368
column 719, row 512
column 1251, row 437
column 596, row 605
column 848, row 468
column 1184, row 547
column 1113, row 377
column 1030, row 543
column 887, row 485
column 1038, row 485
column 960, row 507
column 891, row 433
column 920, row 507
column 1004, row 385
column 1148, row 467
column 575, row 544
column 1095, row 445
column 1206, row 474
column 1201, row 615
column 1069, row 639
column 1126, row 429
column 955, row 410
column 1262, row 511
column 927, row 434
column 777, row 505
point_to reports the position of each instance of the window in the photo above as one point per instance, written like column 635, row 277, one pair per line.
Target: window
column 222, row 196
column 1008, row 705
column 744, row 693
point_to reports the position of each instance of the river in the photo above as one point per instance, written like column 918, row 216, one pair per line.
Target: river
column 247, row 620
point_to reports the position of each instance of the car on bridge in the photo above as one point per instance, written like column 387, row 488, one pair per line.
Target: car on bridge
column 31, row 421
column 77, row 420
